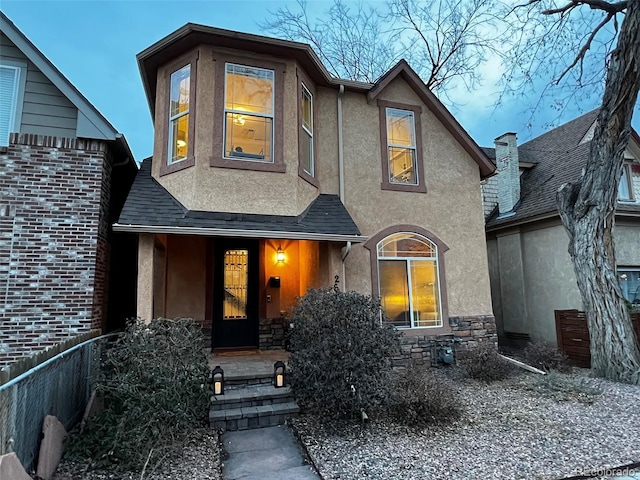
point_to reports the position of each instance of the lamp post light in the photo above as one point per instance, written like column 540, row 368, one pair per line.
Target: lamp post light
column 218, row 381
column 278, row 374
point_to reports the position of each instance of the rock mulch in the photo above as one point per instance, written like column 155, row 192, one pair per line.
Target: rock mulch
column 200, row 460
column 522, row 428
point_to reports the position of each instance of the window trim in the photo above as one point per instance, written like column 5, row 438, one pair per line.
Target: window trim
column 18, row 96
column 166, row 167
column 372, row 246
column 217, row 158
column 626, row 268
column 628, row 170
column 421, row 187
column 305, row 83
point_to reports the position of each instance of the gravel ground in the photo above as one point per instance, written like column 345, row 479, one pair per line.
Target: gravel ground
column 200, row 461
column 522, row 428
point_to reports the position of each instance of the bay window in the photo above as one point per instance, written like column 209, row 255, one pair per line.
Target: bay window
column 179, row 114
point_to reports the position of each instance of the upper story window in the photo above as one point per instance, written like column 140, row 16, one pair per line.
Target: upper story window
column 625, row 187
column 12, row 83
column 249, row 113
column 179, row 114
column 179, row 111
column 401, row 147
column 629, row 278
column 306, row 132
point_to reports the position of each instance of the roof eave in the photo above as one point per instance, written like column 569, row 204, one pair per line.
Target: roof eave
column 226, row 232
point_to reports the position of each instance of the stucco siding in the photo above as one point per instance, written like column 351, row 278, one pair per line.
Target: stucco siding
column 45, row 110
column 186, row 277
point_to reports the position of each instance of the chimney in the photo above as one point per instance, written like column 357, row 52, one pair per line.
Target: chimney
column 508, row 172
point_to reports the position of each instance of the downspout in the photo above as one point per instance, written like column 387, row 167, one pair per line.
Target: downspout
column 347, row 248
column 345, row 253
column 340, row 144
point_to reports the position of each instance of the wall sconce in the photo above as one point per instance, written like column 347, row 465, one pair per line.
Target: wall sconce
column 278, row 374
column 218, row 381
column 280, row 256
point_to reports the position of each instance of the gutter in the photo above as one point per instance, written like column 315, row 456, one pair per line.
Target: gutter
column 225, row 232
column 340, row 144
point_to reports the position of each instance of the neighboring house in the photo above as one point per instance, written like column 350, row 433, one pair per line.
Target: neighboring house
column 64, row 174
column 531, row 270
column 269, row 176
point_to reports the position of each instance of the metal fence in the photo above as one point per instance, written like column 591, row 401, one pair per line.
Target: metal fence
column 60, row 386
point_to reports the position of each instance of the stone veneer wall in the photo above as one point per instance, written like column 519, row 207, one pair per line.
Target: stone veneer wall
column 466, row 332
column 53, row 241
column 272, row 333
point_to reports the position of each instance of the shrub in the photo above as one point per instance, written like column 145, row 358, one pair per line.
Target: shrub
column 546, row 356
column 483, row 362
column 341, row 353
column 420, row 399
column 154, row 385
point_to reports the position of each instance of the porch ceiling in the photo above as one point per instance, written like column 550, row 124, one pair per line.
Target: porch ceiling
column 150, row 208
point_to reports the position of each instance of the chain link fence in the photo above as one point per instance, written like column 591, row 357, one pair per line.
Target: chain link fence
column 60, row 386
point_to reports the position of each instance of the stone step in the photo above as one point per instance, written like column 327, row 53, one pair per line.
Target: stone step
column 251, row 396
column 235, row 379
column 245, row 418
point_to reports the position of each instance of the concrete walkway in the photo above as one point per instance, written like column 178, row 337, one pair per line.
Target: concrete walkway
column 265, row 454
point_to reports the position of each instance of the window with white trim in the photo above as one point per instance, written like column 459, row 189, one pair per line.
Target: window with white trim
column 401, row 146
column 625, row 187
column 249, row 113
column 629, row 279
column 408, row 279
column 306, row 136
column 179, row 115
column 12, row 80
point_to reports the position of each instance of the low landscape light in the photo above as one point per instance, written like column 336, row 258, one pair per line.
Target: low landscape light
column 278, row 374
column 218, row 381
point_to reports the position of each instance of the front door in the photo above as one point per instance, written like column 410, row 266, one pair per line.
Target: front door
column 235, row 296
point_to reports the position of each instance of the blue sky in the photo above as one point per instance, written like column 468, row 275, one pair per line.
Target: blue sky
column 94, row 44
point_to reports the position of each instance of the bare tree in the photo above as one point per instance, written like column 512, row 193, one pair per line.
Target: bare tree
column 444, row 40
column 583, row 44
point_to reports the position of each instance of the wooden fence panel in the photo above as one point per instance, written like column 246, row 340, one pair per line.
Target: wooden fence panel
column 572, row 332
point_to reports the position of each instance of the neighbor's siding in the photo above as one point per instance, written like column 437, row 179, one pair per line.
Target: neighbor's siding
column 46, row 111
column 53, row 241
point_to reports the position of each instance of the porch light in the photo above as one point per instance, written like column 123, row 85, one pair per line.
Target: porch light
column 218, row 381
column 280, row 256
column 278, row 374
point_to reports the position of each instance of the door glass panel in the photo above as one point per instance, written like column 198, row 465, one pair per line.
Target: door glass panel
column 424, row 294
column 394, row 292
column 236, row 281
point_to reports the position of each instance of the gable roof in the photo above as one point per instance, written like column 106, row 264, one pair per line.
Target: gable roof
column 191, row 35
column 559, row 155
column 403, row 69
column 150, row 208
column 91, row 123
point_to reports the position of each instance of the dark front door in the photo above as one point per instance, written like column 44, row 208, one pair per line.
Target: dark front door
column 235, row 296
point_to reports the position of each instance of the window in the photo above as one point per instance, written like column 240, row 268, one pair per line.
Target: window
column 625, row 187
column 12, row 82
column 629, row 279
column 409, row 280
column 249, row 113
column 179, row 126
column 306, row 133
column 401, row 147
column 179, row 114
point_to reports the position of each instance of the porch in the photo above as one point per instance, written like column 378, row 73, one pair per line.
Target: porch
column 248, row 367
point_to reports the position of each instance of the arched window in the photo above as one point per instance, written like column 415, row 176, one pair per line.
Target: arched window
column 408, row 280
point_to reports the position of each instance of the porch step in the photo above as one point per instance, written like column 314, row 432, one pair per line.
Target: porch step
column 252, row 407
column 235, row 379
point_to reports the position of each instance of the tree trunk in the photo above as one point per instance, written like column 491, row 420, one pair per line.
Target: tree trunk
column 587, row 209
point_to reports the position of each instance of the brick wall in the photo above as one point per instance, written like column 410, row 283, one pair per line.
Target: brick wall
column 466, row 332
column 53, row 233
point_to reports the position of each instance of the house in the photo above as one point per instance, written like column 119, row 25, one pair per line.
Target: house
column 530, row 268
column 64, row 174
column 270, row 176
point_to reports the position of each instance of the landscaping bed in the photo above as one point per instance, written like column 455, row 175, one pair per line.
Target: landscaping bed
column 200, row 460
column 527, row 427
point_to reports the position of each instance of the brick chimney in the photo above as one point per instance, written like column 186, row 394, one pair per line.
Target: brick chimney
column 508, row 172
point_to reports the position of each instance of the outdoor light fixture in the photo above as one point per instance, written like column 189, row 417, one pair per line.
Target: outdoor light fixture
column 218, row 381
column 278, row 374
column 280, row 256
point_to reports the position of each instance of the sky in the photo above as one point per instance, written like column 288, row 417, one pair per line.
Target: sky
column 94, row 44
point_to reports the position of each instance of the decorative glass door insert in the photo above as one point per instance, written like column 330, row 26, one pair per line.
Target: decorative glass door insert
column 236, row 282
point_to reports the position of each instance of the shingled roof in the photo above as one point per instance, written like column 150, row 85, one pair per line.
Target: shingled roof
column 559, row 156
column 151, row 208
